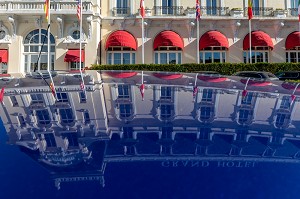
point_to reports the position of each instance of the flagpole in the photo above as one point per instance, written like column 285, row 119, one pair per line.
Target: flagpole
column 250, row 42
column 143, row 47
column 82, row 85
column 198, row 45
column 49, row 50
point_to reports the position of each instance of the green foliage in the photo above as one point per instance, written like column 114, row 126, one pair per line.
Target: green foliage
column 222, row 68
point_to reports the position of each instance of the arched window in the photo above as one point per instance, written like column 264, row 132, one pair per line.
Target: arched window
column 292, row 46
column 121, row 47
column 167, row 46
column 213, row 46
column 261, row 45
column 33, row 45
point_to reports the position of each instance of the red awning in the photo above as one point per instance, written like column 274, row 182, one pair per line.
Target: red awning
column 121, row 38
column 121, row 74
column 167, row 76
column 3, row 55
column 290, row 86
column 256, row 82
column 292, row 40
column 212, row 79
column 258, row 38
column 73, row 55
column 167, row 38
column 213, row 38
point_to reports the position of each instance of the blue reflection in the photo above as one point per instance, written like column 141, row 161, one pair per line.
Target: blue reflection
column 220, row 139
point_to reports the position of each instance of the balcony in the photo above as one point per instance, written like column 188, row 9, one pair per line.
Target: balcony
column 120, row 12
column 168, row 10
column 260, row 11
column 37, row 7
column 293, row 12
column 208, row 11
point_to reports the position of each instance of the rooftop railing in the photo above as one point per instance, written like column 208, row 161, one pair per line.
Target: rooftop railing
column 59, row 7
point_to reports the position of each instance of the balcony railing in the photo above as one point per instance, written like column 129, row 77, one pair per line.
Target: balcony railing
column 208, row 11
column 214, row 11
column 124, row 11
column 34, row 7
column 168, row 10
column 293, row 12
column 260, row 11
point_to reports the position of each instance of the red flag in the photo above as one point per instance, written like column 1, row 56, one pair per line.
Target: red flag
column 198, row 11
column 244, row 94
column 52, row 89
column 82, row 86
column 79, row 9
column 2, row 94
column 142, row 90
column 293, row 97
column 195, row 91
column 142, row 8
column 250, row 13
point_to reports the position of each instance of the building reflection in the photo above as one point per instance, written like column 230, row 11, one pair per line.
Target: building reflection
column 77, row 134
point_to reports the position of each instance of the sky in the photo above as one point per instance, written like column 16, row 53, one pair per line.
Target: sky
column 22, row 177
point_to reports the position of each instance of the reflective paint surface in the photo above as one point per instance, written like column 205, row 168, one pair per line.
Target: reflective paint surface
column 189, row 136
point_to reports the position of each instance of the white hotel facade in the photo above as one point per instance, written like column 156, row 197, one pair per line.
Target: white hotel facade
column 112, row 33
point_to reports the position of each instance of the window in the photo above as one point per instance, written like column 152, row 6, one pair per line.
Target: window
column 123, row 92
column 122, row 7
column 62, row 97
column 125, row 110
column 120, row 55
column 213, row 56
column 166, row 111
column 86, row 117
column 166, row 93
column 285, row 102
column 76, row 65
column 247, row 100
column 37, row 98
column 293, row 55
column 66, row 115
column 211, row 6
column 3, row 68
column 72, row 139
column 259, row 8
column 33, row 45
column 282, row 120
column 258, row 54
column 294, row 7
column 21, row 120
column 206, row 112
column 14, row 101
column 207, row 95
column 2, row 34
column 244, row 116
column 163, row 56
column 82, row 97
column 49, row 138
column 167, row 7
column 76, row 34
column 43, row 117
